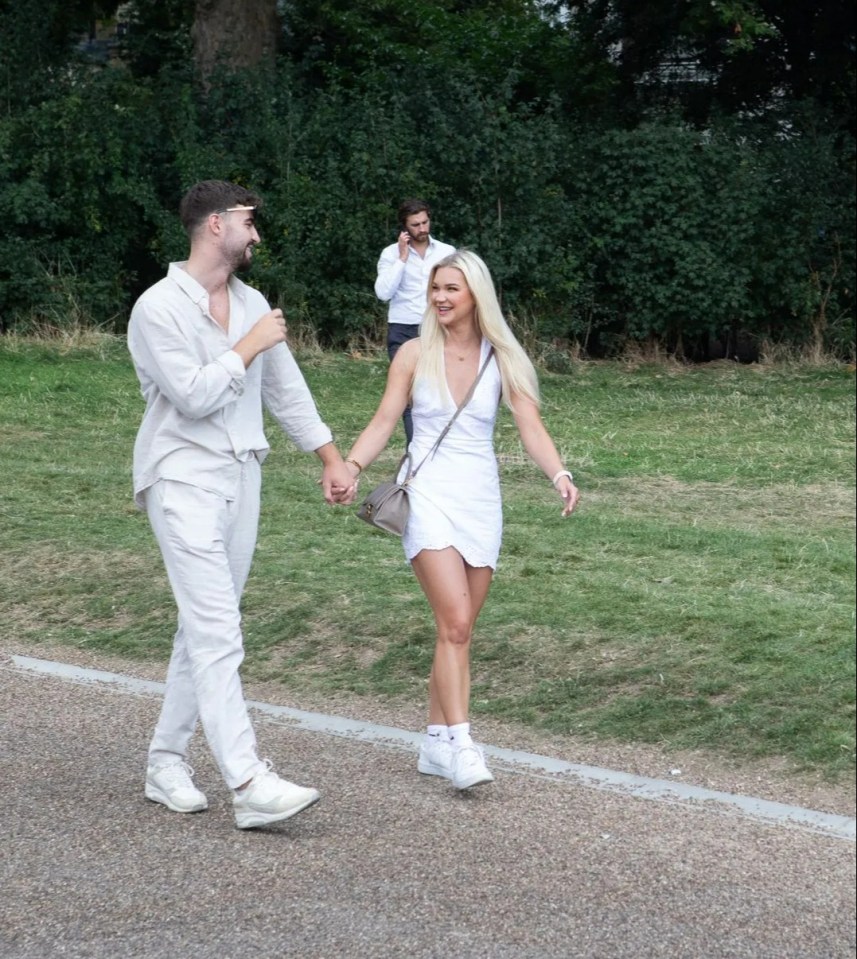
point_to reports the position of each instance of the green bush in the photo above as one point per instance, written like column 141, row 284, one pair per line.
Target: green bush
column 700, row 238
column 698, row 241
column 79, row 198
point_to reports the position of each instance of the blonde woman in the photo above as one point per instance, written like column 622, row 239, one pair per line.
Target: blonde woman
column 452, row 539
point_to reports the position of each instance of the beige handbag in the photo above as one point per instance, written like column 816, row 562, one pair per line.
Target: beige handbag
column 387, row 506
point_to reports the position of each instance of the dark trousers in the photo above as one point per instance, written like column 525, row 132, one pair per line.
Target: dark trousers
column 398, row 333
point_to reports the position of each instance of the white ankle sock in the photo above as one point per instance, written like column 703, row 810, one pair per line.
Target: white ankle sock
column 437, row 733
column 459, row 735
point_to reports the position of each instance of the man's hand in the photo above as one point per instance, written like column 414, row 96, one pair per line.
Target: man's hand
column 404, row 245
column 267, row 331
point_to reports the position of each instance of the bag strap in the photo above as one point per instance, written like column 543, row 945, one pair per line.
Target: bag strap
column 448, row 426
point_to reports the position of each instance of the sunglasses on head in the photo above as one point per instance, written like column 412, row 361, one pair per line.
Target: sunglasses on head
column 239, row 209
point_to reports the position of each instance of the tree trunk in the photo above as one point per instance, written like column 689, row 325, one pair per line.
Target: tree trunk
column 235, row 34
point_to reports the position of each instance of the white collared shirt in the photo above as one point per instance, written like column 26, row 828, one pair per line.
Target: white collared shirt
column 203, row 414
column 405, row 283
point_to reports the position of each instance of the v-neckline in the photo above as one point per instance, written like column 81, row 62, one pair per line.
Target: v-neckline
column 479, row 363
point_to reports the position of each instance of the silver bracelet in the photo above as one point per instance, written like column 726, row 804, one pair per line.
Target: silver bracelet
column 562, row 473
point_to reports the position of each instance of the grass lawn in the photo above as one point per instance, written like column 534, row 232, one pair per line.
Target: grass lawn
column 701, row 597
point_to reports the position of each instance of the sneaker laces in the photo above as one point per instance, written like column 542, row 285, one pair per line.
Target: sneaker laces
column 264, row 775
column 469, row 755
column 176, row 774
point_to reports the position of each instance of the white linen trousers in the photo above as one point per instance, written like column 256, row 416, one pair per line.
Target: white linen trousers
column 207, row 543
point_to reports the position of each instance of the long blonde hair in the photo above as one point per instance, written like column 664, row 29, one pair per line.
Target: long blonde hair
column 517, row 374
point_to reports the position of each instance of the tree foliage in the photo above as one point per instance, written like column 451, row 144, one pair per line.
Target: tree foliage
column 613, row 202
column 708, row 56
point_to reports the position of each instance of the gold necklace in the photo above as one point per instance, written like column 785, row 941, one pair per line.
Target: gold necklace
column 468, row 353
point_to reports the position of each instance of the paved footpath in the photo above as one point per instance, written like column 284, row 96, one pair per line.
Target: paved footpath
column 390, row 864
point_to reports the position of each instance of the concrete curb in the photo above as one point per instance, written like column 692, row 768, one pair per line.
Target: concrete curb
column 521, row 763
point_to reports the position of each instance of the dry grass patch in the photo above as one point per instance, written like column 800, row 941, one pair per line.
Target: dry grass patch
column 55, row 591
column 784, row 505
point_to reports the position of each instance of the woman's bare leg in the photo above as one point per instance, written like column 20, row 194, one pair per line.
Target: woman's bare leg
column 456, row 593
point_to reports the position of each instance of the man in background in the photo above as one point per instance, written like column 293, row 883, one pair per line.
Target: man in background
column 403, row 272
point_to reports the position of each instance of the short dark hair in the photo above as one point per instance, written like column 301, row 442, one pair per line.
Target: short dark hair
column 209, row 196
column 410, row 208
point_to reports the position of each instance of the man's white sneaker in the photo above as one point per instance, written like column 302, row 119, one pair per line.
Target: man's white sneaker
column 435, row 758
column 468, row 768
column 268, row 799
column 171, row 784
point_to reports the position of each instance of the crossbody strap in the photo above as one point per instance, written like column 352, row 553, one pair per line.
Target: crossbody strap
column 448, row 426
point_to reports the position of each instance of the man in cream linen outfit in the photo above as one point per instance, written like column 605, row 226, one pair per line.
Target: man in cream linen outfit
column 209, row 352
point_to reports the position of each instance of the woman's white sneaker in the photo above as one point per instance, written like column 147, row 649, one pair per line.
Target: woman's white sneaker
column 468, row 768
column 268, row 799
column 435, row 758
column 171, row 784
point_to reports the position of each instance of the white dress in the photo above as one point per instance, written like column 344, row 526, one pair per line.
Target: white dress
column 455, row 497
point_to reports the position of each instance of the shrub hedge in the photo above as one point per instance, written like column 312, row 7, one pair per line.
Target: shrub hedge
column 704, row 242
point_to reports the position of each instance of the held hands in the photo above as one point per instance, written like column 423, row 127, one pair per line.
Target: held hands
column 339, row 484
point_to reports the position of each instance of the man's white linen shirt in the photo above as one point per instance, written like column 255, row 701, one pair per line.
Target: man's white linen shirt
column 203, row 414
column 405, row 282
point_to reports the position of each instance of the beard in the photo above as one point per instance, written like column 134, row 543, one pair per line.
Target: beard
column 243, row 259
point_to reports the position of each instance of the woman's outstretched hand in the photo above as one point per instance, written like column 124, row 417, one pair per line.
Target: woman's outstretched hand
column 569, row 492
